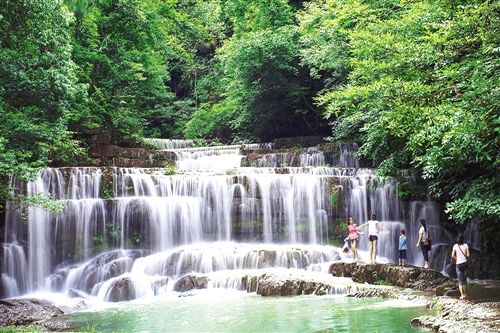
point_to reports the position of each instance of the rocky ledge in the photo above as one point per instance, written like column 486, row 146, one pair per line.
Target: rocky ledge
column 454, row 315
column 272, row 283
column 35, row 312
column 399, row 276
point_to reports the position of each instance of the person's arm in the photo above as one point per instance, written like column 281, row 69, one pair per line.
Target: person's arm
column 363, row 225
column 467, row 254
column 454, row 253
column 419, row 239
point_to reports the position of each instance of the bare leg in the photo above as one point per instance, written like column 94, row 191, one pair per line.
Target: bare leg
column 374, row 251
column 371, row 252
column 354, row 250
column 461, row 288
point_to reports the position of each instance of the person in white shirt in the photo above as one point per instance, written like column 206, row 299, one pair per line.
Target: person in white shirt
column 374, row 227
column 423, row 242
column 460, row 253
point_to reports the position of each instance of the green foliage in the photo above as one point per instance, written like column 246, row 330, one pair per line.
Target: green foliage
column 382, row 282
column 416, row 83
column 107, row 192
column 169, row 169
column 408, row 190
column 114, row 232
column 38, row 87
column 264, row 93
column 335, row 196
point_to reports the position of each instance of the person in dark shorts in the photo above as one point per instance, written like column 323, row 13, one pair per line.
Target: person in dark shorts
column 403, row 246
column 374, row 227
column 461, row 253
column 423, row 242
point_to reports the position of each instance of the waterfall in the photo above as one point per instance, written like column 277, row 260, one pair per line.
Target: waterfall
column 169, row 143
column 346, row 156
column 139, row 229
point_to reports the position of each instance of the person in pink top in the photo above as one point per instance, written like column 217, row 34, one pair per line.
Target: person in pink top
column 353, row 237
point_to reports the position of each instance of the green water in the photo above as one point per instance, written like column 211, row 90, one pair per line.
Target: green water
column 235, row 311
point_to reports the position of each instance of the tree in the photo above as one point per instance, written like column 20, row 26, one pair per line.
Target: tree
column 421, row 93
column 38, row 87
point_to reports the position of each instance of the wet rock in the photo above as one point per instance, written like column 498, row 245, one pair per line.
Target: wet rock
column 250, row 283
column 270, row 284
column 452, row 293
column 24, row 312
column 378, row 292
column 105, row 266
column 57, row 324
column 73, row 293
column 461, row 316
column 160, row 284
column 121, row 290
column 400, row 276
column 275, row 158
column 191, row 281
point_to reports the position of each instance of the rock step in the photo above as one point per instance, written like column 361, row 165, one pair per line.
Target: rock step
column 24, row 312
column 461, row 316
column 399, row 276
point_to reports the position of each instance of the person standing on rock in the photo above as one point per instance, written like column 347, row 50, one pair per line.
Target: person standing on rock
column 460, row 253
column 353, row 237
column 374, row 227
column 402, row 247
column 423, row 242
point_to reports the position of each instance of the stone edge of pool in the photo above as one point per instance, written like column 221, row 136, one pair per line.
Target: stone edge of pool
column 378, row 280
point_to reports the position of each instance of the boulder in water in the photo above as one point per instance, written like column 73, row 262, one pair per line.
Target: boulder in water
column 271, row 284
column 122, row 289
column 23, row 312
column 191, row 281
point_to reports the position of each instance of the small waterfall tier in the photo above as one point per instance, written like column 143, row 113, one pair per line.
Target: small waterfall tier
column 164, row 144
column 228, row 212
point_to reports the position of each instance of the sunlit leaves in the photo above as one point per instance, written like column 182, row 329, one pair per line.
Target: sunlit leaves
column 421, row 91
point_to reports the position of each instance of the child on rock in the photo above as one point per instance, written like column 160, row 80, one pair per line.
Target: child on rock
column 402, row 248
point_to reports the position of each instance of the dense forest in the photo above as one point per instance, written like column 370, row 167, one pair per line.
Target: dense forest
column 414, row 83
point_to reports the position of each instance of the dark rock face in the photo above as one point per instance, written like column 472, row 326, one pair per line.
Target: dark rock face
column 406, row 277
column 23, row 312
column 191, row 281
column 461, row 316
column 280, row 158
column 103, row 152
column 299, row 141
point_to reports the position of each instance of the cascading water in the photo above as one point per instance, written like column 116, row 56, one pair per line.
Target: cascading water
column 346, row 156
column 129, row 232
column 169, row 143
